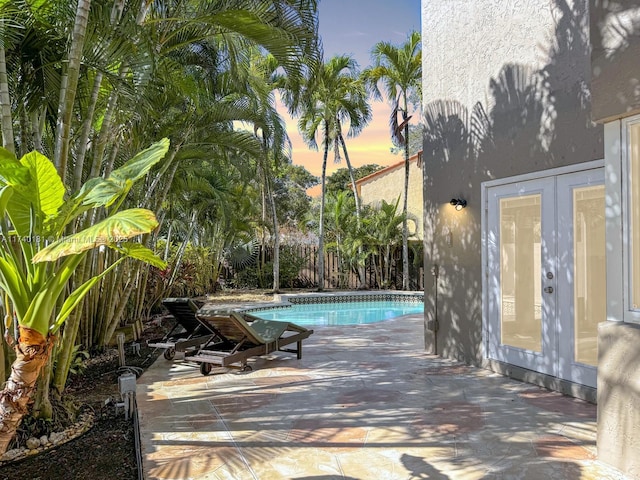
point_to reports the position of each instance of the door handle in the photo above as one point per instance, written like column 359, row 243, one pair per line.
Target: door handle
column 548, row 289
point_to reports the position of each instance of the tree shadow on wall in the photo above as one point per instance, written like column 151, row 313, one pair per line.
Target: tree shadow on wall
column 534, row 119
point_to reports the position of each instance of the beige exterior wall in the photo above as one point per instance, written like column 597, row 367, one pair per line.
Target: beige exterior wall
column 468, row 42
column 505, row 93
column 388, row 185
column 615, row 44
column 519, row 78
column 619, row 396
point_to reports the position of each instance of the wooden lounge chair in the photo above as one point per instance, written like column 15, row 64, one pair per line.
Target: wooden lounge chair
column 244, row 336
column 188, row 333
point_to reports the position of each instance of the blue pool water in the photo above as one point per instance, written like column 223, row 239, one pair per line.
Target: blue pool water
column 352, row 313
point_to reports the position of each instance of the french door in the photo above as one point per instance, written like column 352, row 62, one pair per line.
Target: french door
column 545, row 268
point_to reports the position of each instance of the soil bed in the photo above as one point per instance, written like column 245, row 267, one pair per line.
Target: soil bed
column 107, row 450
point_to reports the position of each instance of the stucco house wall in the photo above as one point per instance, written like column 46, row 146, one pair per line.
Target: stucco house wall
column 388, row 185
column 513, row 88
column 505, row 92
column 615, row 40
column 615, row 45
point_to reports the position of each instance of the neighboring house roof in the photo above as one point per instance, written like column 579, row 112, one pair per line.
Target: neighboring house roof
column 372, row 176
column 388, row 185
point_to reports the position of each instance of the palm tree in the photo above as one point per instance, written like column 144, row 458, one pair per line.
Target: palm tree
column 399, row 69
column 332, row 95
column 264, row 80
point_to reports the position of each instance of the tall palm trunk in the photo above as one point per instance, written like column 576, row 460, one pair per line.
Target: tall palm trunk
column 268, row 196
column 5, row 100
column 322, row 202
column 361, row 273
column 276, row 239
column 83, row 142
column 68, row 87
column 405, row 203
column 37, row 127
column 32, row 352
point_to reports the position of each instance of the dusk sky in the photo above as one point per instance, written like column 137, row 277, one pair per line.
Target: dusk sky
column 353, row 27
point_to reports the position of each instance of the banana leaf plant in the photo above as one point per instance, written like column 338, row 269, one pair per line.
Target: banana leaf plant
column 38, row 259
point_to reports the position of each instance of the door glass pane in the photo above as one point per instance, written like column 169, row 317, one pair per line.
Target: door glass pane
column 590, row 283
column 520, row 279
column 634, row 213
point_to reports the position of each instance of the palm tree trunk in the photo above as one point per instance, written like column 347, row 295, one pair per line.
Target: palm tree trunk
column 68, row 87
column 361, row 274
column 161, row 175
column 37, row 126
column 269, row 198
column 83, row 141
column 405, row 203
column 119, row 312
column 263, row 230
column 112, row 159
column 183, row 246
column 168, row 242
column 276, row 240
column 103, row 136
column 32, row 353
column 24, row 134
column 322, row 202
column 5, row 101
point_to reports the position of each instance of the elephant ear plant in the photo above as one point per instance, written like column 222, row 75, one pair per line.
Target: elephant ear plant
column 37, row 260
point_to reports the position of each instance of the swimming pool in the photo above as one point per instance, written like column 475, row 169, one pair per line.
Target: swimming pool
column 336, row 312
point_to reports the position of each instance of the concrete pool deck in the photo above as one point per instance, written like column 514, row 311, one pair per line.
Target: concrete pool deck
column 365, row 402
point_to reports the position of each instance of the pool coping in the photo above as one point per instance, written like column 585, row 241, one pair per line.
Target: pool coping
column 290, row 299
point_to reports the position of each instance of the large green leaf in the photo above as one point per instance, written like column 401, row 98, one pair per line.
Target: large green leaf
column 117, row 228
column 41, row 197
column 99, row 192
column 12, row 172
column 104, row 192
column 46, row 186
column 138, row 166
column 77, row 295
column 142, row 253
column 6, row 193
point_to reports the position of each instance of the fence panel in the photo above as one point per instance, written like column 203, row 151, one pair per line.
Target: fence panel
column 307, row 277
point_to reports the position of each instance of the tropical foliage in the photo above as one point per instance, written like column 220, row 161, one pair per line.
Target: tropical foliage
column 398, row 69
column 85, row 88
column 333, row 94
column 37, row 259
column 340, row 180
column 91, row 83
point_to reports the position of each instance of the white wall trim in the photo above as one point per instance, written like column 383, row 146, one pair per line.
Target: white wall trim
column 617, row 157
column 614, row 185
column 552, row 172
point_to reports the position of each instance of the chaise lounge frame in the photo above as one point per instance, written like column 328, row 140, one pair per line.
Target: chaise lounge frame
column 240, row 336
column 188, row 333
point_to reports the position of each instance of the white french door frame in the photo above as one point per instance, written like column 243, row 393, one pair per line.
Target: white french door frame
column 515, row 338
column 550, row 346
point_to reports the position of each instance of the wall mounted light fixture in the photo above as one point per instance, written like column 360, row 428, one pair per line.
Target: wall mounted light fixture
column 458, row 203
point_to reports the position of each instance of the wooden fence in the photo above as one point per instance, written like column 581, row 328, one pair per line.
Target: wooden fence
column 335, row 277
